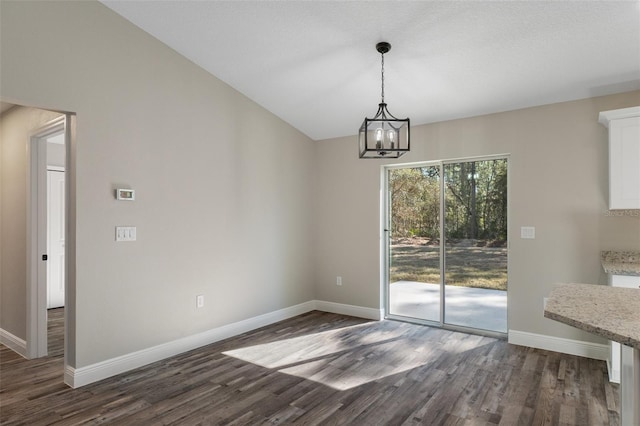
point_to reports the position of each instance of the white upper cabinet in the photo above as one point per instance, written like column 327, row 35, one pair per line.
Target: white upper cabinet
column 624, row 157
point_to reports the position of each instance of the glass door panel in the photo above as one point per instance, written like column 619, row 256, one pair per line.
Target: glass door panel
column 413, row 236
column 475, row 234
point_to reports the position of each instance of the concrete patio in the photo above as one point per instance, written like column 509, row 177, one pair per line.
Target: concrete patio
column 464, row 306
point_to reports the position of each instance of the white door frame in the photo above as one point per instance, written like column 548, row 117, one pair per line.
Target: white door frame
column 37, row 237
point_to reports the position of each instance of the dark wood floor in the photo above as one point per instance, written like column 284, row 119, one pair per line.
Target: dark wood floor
column 322, row 368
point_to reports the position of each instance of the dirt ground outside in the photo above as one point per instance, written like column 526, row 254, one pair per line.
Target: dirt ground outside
column 470, row 263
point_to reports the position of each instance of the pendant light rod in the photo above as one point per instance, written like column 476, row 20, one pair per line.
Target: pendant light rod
column 382, row 48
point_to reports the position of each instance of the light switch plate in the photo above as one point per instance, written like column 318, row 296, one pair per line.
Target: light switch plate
column 125, row 194
column 125, row 233
column 528, row 232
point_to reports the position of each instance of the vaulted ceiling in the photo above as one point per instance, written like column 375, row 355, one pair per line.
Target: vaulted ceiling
column 314, row 64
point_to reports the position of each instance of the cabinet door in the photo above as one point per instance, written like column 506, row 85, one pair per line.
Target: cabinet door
column 624, row 163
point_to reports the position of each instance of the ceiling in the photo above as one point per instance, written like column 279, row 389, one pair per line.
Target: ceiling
column 314, row 63
column 5, row 106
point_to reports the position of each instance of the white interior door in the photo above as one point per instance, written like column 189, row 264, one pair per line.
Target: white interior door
column 55, row 239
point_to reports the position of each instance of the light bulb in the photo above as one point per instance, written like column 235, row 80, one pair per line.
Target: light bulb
column 379, row 136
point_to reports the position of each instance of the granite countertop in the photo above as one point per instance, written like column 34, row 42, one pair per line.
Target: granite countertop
column 610, row 312
column 621, row 262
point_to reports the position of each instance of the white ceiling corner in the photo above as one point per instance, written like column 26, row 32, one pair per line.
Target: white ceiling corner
column 314, row 64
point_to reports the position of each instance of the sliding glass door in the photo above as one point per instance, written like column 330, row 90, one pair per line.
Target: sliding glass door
column 475, row 235
column 413, row 235
column 446, row 245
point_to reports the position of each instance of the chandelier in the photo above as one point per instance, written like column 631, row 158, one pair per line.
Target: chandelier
column 383, row 136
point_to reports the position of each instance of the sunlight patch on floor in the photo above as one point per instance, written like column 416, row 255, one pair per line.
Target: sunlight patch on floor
column 300, row 349
column 322, row 357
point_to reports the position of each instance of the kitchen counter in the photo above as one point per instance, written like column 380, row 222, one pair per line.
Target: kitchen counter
column 610, row 312
column 613, row 313
column 621, row 262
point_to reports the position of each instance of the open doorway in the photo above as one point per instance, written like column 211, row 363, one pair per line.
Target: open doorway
column 446, row 243
column 56, row 219
column 36, row 143
column 47, row 260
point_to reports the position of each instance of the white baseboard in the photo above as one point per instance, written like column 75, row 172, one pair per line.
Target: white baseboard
column 14, row 343
column 558, row 344
column 351, row 310
column 69, row 376
column 85, row 375
column 92, row 373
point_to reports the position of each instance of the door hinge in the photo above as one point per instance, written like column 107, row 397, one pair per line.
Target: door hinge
column 45, row 257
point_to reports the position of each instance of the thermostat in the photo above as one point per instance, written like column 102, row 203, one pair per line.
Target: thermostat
column 126, row 194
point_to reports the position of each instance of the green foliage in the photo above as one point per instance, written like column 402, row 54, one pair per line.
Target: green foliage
column 415, row 202
column 475, row 209
column 475, row 201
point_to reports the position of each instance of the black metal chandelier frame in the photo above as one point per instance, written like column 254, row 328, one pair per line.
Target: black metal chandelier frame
column 384, row 135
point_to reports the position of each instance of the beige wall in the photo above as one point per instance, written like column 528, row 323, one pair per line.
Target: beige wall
column 234, row 204
column 223, row 186
column 16, row 127
column 558, row 183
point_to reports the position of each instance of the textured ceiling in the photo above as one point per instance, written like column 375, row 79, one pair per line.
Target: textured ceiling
column 314, row 64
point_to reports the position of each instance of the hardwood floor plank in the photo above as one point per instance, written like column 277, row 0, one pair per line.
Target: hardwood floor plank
column 567, row 415
column 284, row 416
column 321, row 368
column 354, row 407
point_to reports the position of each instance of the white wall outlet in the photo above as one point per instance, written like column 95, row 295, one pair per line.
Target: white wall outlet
column 200, row 301
column 125, row 233
column 338, row 280
column 544, row 304
column 528, row 232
